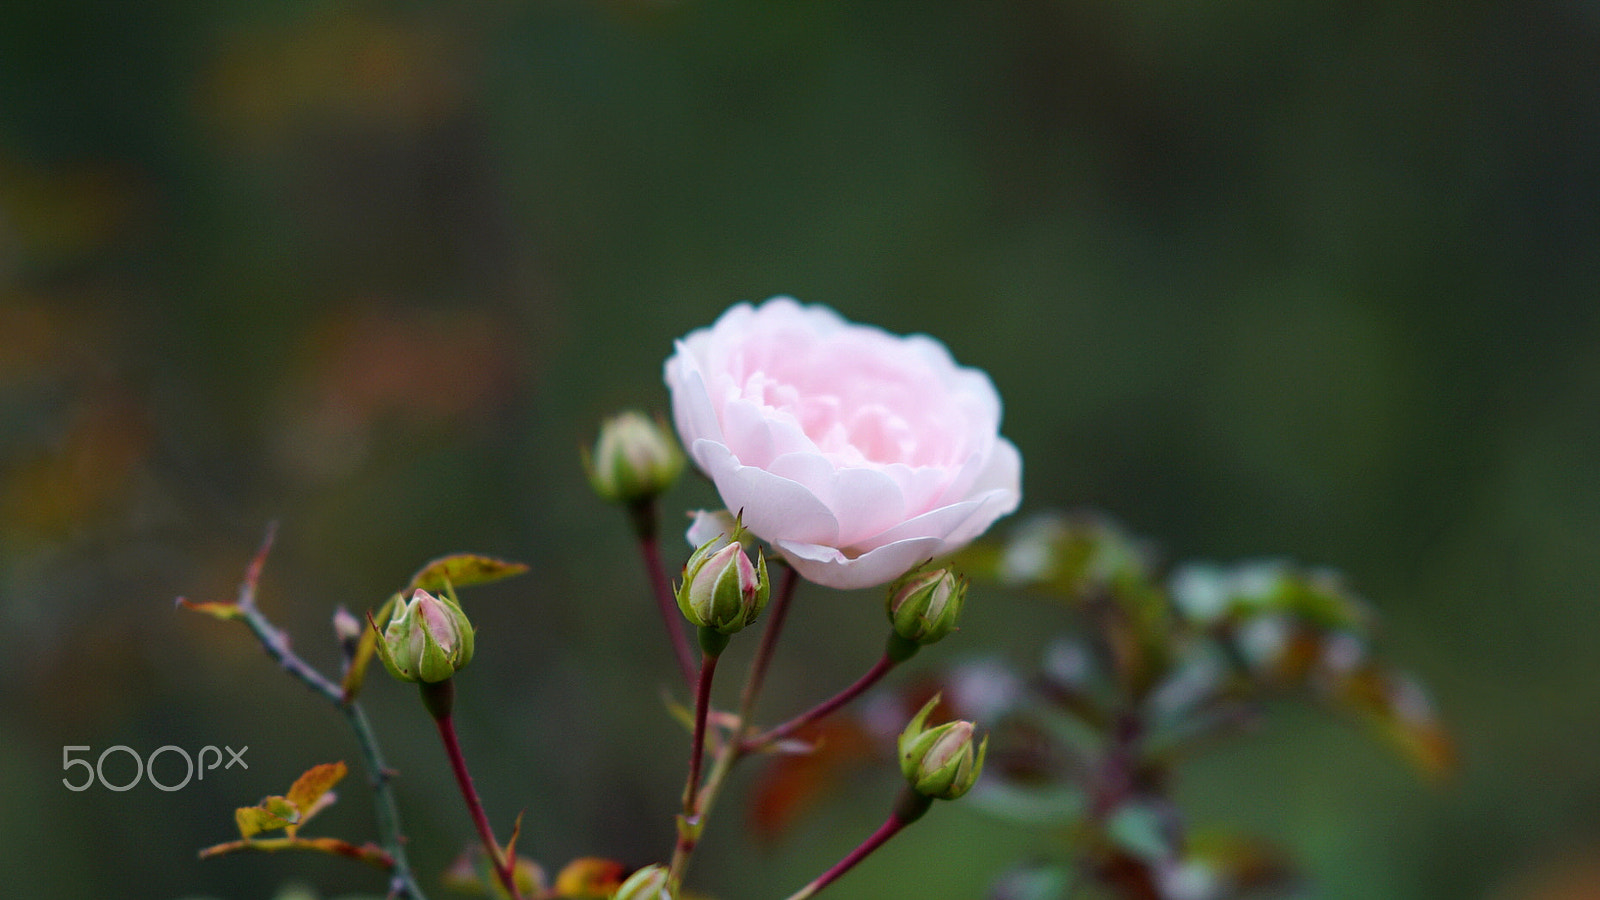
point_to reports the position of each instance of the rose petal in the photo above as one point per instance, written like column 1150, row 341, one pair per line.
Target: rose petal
column 692, row 410
column 708, row 525
column 772, row 506
column 866, row 502
column 830, row 567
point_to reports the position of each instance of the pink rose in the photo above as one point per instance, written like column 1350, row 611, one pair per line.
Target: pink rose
column 855, row 453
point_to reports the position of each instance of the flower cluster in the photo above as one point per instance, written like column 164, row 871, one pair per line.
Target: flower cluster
column 851, row 458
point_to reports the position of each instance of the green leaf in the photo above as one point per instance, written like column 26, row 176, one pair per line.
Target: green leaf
column 1036, row 805
column 1211, row 595
column 1040, row 882
column 1090, row 563
column 461, row 570
column 1077, row 557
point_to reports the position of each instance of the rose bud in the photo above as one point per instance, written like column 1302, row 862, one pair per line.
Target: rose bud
column 634, row 459
column 722, row 589
column 429, row 639
column 649, row 883
column 924, row 606
column 940, row 762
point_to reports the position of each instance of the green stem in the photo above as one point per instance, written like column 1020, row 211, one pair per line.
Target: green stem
column 383, row 803
column 438, row 697
column 402, row 882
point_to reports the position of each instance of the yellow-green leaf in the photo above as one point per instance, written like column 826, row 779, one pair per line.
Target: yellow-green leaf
column 366, row 646
column 216, row 609
column 310, row 792
column 1400, row 710
column 269, row 815
column 588, row 878
column 368, row 853
column 462, row 569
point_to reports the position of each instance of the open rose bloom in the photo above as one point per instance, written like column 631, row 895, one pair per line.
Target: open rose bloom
column 855, row 453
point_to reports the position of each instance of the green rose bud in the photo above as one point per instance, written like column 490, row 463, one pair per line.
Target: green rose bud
column 649, row 883
column 924, row 606
column 940, row 762
column 634, row 459
column 722, row 589
column 428, row 639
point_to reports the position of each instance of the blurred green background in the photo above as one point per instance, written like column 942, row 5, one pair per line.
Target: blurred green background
column 1315, row 280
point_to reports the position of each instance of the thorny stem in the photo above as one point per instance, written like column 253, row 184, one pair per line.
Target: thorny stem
column 437, row 697
column 821, row 710
column 643, row 516
column 908, row 809
column 402, row 882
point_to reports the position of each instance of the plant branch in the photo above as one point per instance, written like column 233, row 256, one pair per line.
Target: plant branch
column 689, row 829
column 731, row 750
column 910, row 807
column 697, row 749
column 776, row 613
column 276, row 642
column 436, row 696
column 661, row 586
column 821, row 710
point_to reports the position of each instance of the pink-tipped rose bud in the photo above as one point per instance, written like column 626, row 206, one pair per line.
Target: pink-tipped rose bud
column 722, row 589
column 429, row 639
column 940, row 762
column 649, row 883
column 635, row 458
column 924, row 606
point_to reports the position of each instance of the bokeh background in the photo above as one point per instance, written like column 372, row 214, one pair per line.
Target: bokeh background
column 1314, row 280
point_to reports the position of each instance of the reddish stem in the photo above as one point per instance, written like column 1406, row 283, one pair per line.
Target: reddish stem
column 697, row 750
column 776, row 613
column 650, row 549
column 910, row 808
column 504, row 868
column 823, row 709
